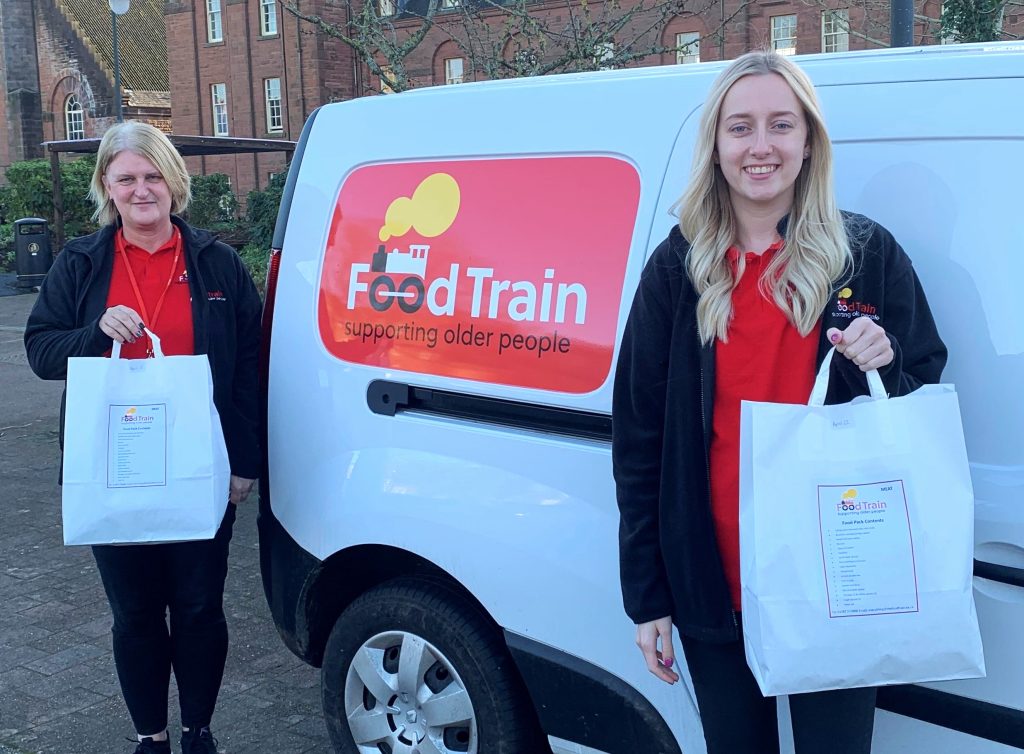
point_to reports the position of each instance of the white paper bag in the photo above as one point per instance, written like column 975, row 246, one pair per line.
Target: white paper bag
column 856, row 541
column 144, row 452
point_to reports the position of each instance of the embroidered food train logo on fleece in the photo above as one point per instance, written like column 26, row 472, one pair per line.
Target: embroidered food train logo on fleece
column 848, row 307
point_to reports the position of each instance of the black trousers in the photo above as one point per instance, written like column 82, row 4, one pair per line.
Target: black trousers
column 143, row 583
column 737, row 719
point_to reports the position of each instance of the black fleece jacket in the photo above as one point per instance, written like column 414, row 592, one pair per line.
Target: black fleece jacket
column 225, row 320
column 661, row 418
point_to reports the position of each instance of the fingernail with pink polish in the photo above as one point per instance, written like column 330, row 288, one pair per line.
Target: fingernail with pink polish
column 836, row 337
column 667, row 662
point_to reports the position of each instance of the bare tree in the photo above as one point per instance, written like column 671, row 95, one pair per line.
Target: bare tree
column 381, row 40
column 509, row 38
column 514, row 38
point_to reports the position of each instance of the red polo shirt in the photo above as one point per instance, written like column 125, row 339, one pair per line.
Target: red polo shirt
column 765, row 359
column 173, row 325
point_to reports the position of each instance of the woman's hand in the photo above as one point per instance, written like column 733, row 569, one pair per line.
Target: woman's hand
column 864, row 343
column 647, row 638
column 121, row 323
column 240, row 489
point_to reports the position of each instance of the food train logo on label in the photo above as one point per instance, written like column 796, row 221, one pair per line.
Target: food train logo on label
column 131, row 416
column 849, row 502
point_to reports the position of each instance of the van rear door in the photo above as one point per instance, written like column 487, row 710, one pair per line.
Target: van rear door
column 932, row 160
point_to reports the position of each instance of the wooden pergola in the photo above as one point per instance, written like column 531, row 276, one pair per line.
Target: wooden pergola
column 187, row 146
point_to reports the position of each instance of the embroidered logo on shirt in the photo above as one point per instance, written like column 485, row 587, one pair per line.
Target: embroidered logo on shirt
column 183, row 277
column 847, row 307
column 216, row 296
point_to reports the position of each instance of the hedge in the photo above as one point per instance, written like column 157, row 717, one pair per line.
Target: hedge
column 29, row 193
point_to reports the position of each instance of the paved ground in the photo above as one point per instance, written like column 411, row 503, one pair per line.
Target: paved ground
column 58, row 690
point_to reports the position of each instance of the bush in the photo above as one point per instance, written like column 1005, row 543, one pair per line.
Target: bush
column 213, row 206
column 29, row 193
column 261, row 211
column 255, row 258
column 7, row 247
column 5, row 205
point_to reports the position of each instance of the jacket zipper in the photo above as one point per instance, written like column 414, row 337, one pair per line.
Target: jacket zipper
column 706, row 440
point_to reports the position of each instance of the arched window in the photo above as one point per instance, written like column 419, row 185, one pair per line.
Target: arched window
column 74, row 119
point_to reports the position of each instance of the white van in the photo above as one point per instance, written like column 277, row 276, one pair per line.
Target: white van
column 451, row 272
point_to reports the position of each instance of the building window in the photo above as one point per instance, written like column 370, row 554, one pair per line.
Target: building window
column 74, row 119
column 835, row 30
column 387, row 79
column 784, row 34
column 219, row 95
column 451, row 3
column 214, row 22
column 386, row 8
column 604, row 52
column 454, row 69
column 272, row 89
column 268, row 17
column 688, row 47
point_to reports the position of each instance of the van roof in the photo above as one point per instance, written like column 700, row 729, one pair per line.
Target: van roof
column 926, row 54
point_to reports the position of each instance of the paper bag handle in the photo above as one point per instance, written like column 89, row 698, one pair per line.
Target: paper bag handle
column 115, row 352
column 821, row 383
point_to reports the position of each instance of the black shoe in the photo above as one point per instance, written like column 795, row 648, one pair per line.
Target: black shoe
column 151, row 746
column 199, row 741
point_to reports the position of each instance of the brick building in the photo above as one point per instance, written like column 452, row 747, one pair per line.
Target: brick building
column 714, row 30
column 57, row 72
column 246, row 68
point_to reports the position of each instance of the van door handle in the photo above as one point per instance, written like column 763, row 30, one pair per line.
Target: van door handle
column 389, row 398
column 1001, row 573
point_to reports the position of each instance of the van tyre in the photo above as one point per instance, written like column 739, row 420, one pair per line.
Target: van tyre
column 421, row 670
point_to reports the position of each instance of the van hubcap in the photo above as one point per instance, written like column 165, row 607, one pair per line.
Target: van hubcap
column 403, row 696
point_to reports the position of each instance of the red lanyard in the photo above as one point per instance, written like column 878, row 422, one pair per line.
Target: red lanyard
column 150, row 322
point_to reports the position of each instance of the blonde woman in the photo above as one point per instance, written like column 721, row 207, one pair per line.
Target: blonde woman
column 742, row 301
column 147, row 267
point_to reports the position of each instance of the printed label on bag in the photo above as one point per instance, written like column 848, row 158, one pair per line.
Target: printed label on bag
column 137, row 445
column 867, row 549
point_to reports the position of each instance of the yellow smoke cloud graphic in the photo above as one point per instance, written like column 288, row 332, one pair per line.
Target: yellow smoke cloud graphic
column 845, row 293
column 849, row 494
column 431, row 209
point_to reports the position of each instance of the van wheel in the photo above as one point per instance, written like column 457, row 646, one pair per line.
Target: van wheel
column 412, row 667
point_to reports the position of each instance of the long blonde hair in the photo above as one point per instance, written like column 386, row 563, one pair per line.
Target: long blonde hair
column 816, row 253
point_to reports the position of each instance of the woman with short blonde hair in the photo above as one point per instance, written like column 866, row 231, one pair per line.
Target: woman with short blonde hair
column 151, row 143
column 742, row 301
column 146, row 269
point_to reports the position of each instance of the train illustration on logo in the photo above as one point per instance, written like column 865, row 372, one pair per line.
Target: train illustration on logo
column 410, row 291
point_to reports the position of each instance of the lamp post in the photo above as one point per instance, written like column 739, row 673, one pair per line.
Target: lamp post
column 901, row 17
column 117, row 8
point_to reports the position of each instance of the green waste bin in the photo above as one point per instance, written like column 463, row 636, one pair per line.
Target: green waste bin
column 32, row 255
